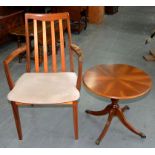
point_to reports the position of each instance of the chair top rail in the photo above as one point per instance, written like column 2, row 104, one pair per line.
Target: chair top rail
column 47, row 17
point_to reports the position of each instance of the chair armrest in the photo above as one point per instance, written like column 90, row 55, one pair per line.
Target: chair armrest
column 6, row 62
column 79, row 53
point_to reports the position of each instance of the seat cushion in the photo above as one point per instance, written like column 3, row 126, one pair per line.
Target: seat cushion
column 45, row 88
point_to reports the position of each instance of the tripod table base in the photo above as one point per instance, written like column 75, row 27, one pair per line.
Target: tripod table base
column 112, row 110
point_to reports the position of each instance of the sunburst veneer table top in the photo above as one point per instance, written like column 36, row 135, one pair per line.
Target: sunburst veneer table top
column 117, row 81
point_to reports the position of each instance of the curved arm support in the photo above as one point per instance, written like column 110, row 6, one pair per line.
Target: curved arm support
column 6, row 62
column 79, row 53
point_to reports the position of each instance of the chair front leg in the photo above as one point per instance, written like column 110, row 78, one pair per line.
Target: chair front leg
column 75, row 119
column 17, row 119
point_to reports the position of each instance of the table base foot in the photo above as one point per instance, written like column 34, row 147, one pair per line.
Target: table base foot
column 97, row 142
column 143, row 135
column 105, row 111
column 125, row 108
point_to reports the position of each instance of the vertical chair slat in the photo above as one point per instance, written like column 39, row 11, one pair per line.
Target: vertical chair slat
column 54, row 59
column 69, row 43
column 28, row 66
column 63, row 65
column 36, row 46
column 45, row 47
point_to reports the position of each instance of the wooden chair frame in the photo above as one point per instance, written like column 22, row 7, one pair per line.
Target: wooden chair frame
column 26, row 48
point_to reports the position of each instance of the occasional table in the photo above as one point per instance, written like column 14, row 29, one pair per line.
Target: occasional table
column 116, row 82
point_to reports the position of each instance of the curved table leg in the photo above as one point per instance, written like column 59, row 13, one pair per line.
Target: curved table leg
column 101, row 112
column 127, row 124
column 111, row 114
column 125, row 108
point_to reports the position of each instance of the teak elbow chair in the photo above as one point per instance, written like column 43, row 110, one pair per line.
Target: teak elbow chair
column 57, row 87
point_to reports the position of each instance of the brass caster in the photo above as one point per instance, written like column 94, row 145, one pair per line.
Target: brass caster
column 97, row 142
column 143, row 135
column 127, row 107
column 87, row 111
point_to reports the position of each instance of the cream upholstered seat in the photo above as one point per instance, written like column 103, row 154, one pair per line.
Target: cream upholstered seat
column 45, row 88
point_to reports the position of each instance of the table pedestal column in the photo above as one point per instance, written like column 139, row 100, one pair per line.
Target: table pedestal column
column 112, row 110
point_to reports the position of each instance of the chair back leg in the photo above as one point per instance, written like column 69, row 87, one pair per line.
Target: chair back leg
column 17, row 120
column 75, row 119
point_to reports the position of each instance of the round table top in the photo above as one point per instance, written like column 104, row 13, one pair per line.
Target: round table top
column 117, row 81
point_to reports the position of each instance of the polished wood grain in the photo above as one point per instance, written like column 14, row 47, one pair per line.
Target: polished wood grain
column 75, row 119
column 48, row 18
column 96, row 14
column 116, row 82
column 17, row 119
column 54, row 59
column 43, row 18
column 6, row 62
column 36, row 55
column 63, row 62
column 20, row 32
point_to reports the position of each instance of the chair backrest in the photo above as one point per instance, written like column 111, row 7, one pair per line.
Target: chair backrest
column 50, row 25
